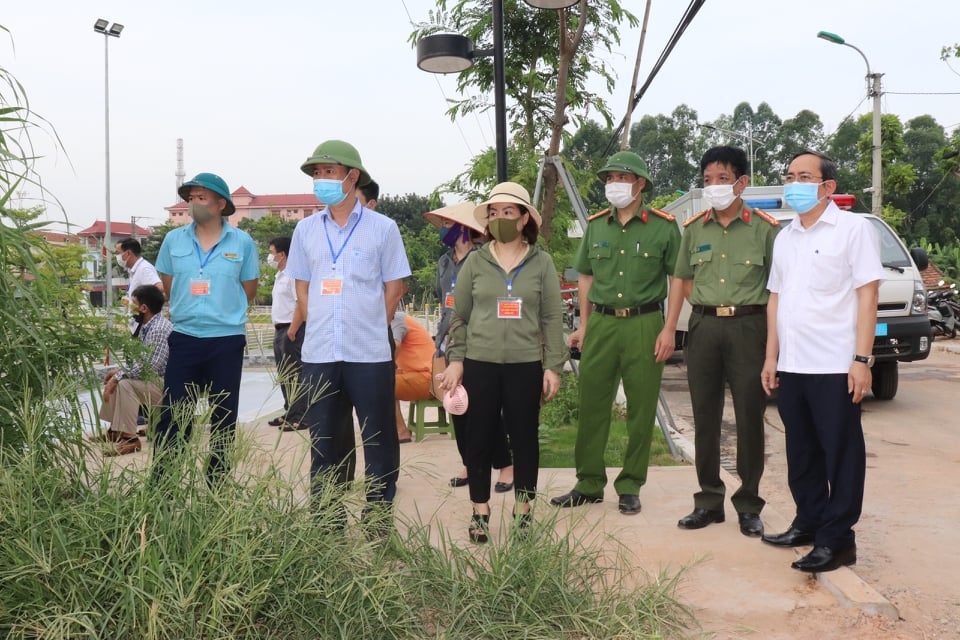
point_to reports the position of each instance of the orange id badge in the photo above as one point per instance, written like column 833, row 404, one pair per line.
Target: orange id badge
column 448, row 301
column 509, row 308
column 199, row 287
column 331, row 287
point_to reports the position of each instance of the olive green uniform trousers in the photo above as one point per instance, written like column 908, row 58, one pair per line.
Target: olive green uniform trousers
column 614, row 349
column 723, row 351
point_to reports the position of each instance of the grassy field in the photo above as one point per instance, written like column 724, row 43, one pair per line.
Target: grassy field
column 556, row 447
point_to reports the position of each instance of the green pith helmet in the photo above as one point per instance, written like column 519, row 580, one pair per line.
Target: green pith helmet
column 627, row 161
column 211, row 182
column 336, row 152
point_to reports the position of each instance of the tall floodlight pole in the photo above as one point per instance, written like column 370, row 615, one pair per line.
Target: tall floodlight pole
column 873, row 90
column 108, row 30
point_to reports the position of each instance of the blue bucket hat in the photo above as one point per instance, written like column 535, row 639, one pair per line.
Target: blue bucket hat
column 211, row 182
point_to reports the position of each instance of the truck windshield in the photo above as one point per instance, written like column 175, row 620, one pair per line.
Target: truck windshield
column 892, row 253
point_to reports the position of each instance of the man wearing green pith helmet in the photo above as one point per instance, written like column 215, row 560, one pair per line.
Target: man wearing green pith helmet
column 349, row 263
column 624, row 259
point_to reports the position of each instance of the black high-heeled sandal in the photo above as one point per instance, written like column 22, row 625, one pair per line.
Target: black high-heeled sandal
column 522, row 521
column 479, row 526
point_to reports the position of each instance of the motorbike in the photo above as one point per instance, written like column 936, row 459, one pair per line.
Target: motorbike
column 943, row 311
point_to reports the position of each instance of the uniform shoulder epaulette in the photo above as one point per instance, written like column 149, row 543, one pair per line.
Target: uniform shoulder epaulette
column 598, row 214
column 696, row 217
column 766, row 216
column 663, row 214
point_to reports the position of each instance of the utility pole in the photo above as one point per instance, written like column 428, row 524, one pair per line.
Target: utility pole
column 876, row 179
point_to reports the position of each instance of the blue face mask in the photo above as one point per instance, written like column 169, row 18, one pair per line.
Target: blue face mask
column 329, row 192
column 450, row 235
column 801, row 196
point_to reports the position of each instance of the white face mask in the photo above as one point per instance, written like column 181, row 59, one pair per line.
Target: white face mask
column 619, row 194
column 272, row 260
column 121, row 262
column 719, row 196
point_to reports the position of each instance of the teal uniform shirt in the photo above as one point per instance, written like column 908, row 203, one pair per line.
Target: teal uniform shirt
column 629, row 263
column 232, row 261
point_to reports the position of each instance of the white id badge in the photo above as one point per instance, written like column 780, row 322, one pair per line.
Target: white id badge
column 510, row 308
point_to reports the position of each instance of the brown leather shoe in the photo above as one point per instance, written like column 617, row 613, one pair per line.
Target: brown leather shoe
column 122, row 447
column 104, row 436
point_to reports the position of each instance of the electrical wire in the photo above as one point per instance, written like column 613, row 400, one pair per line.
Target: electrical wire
column 685, row 20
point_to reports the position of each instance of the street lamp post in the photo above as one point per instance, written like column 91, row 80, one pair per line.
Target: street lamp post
column 453, row 53
column 108, row 30
column 873, row 90
column 749, row 138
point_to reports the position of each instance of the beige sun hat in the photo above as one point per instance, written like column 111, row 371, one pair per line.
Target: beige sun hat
column 507, row 193
column 462, row 213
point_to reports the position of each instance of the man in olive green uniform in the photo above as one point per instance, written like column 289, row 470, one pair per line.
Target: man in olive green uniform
column 723, row 267
column 624, row 259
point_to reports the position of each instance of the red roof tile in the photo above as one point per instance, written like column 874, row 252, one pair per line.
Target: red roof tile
column 118, row 229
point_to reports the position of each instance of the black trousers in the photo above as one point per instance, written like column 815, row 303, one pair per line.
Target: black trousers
column 826, row 455
column 510, row 391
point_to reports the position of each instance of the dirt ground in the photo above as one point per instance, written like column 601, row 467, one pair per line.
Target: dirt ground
column 909, row 533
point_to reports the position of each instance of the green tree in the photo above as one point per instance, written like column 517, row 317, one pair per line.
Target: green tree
column 670, row 147
column 547, row 89
column 407, row 210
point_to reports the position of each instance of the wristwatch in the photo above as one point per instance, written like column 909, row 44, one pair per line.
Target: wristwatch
column 867, row 360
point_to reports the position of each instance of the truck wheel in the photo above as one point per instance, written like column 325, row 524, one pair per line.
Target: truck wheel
column 886, row 378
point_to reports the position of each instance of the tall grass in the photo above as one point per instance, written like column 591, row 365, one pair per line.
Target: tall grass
column 92, row 550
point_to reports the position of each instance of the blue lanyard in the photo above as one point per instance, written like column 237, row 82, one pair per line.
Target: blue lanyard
column 204, row 261
column 514, row 277
column 336, row 255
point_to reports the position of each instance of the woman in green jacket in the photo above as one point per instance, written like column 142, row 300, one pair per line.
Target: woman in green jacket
column 506, row 347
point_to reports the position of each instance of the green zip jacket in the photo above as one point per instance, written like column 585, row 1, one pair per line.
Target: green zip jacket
column 477, row 333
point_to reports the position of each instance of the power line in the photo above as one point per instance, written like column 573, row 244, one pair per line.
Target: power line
column 685, row 20
column 923, row 93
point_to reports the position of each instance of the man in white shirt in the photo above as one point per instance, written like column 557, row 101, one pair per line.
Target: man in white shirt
column 288, row 322
column 141, row 272
column 821, row 319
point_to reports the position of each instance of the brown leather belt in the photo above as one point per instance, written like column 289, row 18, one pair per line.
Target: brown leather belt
column 627, row 313
column 730, row 311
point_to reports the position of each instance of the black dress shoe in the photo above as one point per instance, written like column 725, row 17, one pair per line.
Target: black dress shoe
column 750, row 524
column 629, row 505
column 700, row 518
column 503, row 487
column 792, row 537
column 574, row 499
column 457, row 481
column 826, row 559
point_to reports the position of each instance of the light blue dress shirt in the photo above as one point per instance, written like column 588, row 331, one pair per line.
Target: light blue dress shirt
column 364, row 254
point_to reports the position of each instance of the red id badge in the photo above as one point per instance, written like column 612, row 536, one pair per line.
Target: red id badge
column 448, row 301
column 509, row 308
column 199, row 287
column 331, row 287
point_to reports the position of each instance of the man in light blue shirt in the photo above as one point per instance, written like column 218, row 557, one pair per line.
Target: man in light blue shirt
column 349, row 263
column 210, row 270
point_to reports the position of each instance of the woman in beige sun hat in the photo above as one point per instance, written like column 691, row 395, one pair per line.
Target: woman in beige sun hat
column 506, row 347
column 462, row 233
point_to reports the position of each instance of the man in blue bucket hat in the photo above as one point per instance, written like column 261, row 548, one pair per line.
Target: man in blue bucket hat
column 210, row 270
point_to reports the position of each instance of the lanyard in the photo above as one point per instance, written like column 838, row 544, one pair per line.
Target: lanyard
column 336, row 254
column 204, row 261
column 512, row 278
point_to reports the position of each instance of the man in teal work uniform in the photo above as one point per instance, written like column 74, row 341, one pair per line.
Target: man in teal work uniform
column 624, row 259
column 723, row 266
column 211, row 270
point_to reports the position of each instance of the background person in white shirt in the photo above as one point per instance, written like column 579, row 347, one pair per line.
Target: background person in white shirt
column 141, row 273
column 821, row 319
column 289, row 326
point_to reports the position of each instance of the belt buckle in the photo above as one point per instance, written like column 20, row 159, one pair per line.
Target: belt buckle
column 621, row 313
column 726, row 312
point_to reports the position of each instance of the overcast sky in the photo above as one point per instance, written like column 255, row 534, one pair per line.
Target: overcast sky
column 253, row 87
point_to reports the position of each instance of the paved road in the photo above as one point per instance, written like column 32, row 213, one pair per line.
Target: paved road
column 910, row 530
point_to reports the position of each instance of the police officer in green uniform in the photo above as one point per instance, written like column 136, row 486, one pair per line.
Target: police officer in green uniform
column 723, row 266
column 624, row 259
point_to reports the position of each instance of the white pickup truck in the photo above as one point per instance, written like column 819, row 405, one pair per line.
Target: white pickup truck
column 903, row 330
